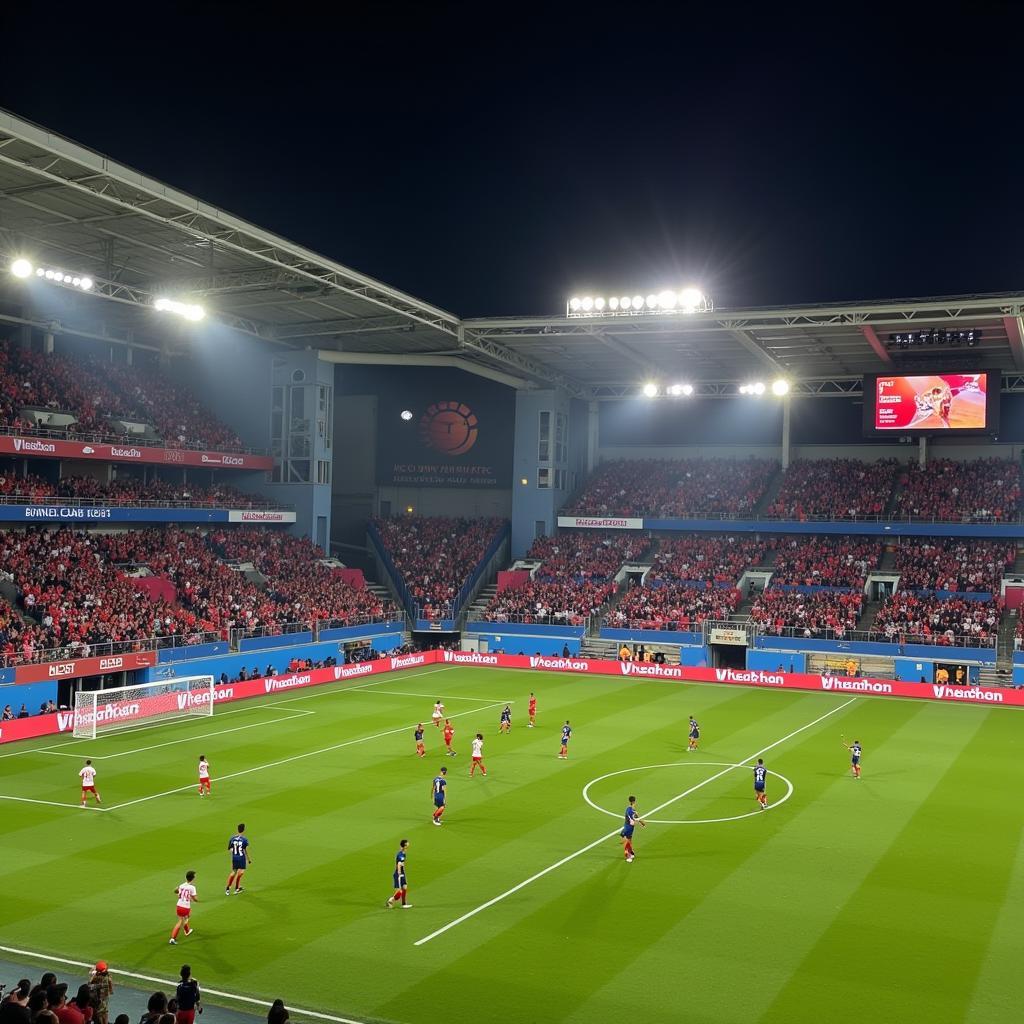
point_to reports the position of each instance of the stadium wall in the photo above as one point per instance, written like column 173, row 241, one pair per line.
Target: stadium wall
column 438, row 501
column 30, row 694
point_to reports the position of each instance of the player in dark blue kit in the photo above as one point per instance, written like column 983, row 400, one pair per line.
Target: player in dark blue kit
column 440, row 781
column 760, row 780
column 854, row 749
column 506, row 719
column 632, row 819
column 694, row 733
column 238, row 844
column 418, row 734
column 566, row 736
column 398, row 878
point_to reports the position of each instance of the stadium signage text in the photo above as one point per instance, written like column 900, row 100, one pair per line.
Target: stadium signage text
column 598, row 523
column 83, row 667
column 135, row 453
column 46, row 725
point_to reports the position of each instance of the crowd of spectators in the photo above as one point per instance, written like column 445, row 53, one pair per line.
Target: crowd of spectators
column 825, row 561
column 675, row 487
column 98, row 393
column 78, row 599
column 953, row 563
column 34, row 490
column 586, row 554
column 562, row 602
column 707, row 557
column 819, row 613
column 948, row 490
column 49, row 1001
column 672, row 606
column 834, row 489
column 435, row 556
column 956, row 621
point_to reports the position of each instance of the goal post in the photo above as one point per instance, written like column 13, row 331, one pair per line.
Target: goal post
column 128, row 707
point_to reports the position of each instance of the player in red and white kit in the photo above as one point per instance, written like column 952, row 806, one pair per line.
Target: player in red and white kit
column 449, row 732
column 186, row 897
column 88, row 776
column 532, row 708
column 478, row 755
column 204, row 776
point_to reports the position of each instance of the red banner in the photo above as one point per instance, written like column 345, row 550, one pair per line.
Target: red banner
column 83, row 667
column 509, row 579
column 352, row 577
column 48, row 448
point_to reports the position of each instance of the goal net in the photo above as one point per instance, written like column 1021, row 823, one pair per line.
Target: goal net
column 127, row 707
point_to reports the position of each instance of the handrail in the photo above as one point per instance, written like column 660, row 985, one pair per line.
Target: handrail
column 98, row 437
column 728, row 517
column 110, row 647
column 877, row 636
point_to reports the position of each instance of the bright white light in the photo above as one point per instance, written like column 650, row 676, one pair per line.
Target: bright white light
column 49, row 275
column 638, row 302
column 574, row 304
column 613, row 302
column 650, row 390
column 185, row 309
column 68, row 279
column 687, row 389
column 744, row 389
column 624, row 302
column 406, row 415
column 588, row 304
column 757, row 388
column 652, row 301
column 780, row 387
column 86, row 284
column 76, row 281
column 675, row 390
column 40, row 271
column 21, row 268
column 690, row 299
column 667, row 299
column 598, row 303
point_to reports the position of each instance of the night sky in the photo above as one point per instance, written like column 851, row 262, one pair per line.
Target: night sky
column 494, row 161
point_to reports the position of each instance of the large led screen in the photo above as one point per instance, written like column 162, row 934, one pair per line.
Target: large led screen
column 932, row 403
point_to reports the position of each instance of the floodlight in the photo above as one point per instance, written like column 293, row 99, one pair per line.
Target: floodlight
column 184, row 309
column 588, row 303
column 690, row 299
column 675, row 390
column 652, row 301
column 40, row 271
column 650, row 390
column 574, row 304
column 613, row 303
column 780, row 387
column 49, row 275
column 667, row 299
column 86, row 284
column 744, row 389
column 21, row 268
column 598, row 304
column 757, row 388
column 687, row 389
column 406, row 415
column 624, row 302
column 638, row 302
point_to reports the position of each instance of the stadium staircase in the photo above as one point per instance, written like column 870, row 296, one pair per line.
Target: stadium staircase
column 888, row 562
column 771, row 492
column 483, row 598
column 867, row 618
column 1018, row 565
column 594, row 647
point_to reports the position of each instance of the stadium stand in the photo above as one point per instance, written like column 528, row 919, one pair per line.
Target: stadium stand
column 435, row 555
column 825, row 561
column 62, row 395
column 952, row 563
column 675, row 487
column 125, row 491
column 672, row 606
column 956, row 622
column 834, row 489
column 78, row 598
column 820, row 613
column 947, row 490
column 703, row 558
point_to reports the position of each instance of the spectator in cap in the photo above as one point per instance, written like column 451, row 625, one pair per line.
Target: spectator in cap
column 100, row 988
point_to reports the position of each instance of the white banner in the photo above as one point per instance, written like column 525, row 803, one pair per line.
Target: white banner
column 258, row 515
column 601, row 523
column 737, row 637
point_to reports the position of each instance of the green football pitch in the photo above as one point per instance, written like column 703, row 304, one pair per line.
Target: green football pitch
column 895, row 897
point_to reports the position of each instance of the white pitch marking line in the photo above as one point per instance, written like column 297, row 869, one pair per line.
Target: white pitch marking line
column 605, row 838
column 289, row 760
column 360, row 686
column 292, row 715
column 49, row 803
column 426, row 696
column 47, row 958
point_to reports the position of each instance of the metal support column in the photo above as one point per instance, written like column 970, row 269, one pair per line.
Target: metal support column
column 592, row 436
column 922, row 451
column 785, row 432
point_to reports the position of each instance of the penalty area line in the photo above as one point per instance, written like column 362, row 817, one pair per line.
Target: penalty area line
column 88, row 965
column 597, row 842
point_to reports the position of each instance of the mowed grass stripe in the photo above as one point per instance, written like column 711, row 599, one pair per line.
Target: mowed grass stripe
column 926, row 912
column 584, row 920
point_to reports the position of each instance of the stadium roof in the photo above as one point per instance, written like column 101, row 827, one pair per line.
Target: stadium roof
column 63, row 204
